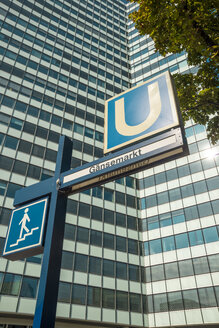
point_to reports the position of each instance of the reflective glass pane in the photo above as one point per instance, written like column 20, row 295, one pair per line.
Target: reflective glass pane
column 196, row 238
column 157, row 272
column 135, row 302
column 29, row 287
column 207, row 297
column 64, row 292
column 78, row 294
column 171, row 270
column 95, row 265
column 168, row 243
column 122, row 301
column 108, row 298
column 93, row 296
column 190, row 298
column 200, row 265
column 160, row 303
column 175, row 301
column 210, row 234
column 155, row 246
column 182, row 241
column 186, row 268
column 11, row 284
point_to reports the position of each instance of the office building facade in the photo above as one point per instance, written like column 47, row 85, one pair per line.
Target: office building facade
column 140, row 251
column 179, row 213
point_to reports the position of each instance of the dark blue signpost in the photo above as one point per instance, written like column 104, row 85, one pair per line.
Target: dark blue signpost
column 32, row 230
column 49, row 281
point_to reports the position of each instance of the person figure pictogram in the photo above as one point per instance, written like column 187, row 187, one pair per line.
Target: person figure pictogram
column 23, row 222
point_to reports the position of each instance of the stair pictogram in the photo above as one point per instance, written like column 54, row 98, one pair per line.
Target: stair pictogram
column 24, row 237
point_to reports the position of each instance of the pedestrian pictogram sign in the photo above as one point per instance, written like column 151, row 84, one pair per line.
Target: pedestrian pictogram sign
column 25, row 233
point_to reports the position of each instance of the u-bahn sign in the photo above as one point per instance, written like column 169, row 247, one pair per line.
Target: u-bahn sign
column 142, row 128
column 140, row 112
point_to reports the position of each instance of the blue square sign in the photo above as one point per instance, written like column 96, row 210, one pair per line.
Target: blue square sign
column 26, row 230
column 140, row 112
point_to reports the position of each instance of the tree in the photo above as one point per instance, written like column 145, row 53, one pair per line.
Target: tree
column 192, row 26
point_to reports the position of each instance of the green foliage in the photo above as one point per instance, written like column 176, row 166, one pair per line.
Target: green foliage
column 177, row 25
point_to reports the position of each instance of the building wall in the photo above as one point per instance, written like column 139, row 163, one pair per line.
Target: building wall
column 179, row 212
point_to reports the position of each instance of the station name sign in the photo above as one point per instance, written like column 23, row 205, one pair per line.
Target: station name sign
column 131, row 160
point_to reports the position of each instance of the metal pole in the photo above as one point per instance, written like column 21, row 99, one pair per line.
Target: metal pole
column 45, row 312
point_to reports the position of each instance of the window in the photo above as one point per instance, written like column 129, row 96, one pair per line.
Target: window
column 84, row 210
column 97, row 192
column 69, row 231
column 120, row 219
column 108, row 194
column 214, row 262
column 131, row 222
column 200, row 187
column 153, row 223
column 108, row 298
column 38, row 151
column 175, row 301
column 132, row 246
column 191, row 213
column 134, row 272
column 160, row 178
column 165, row 220
column 131, row 201
column 162, row 198
column 174, row 194
column 5, row 213
column 64, row 292
column 108, row 216
column 210, row 234
column 207, row 297
column 20, row 167
column 108, row 268
column 29, row 287
column 34, row 172
column 96, row 213
column 168, row 243
column 11, row 142
column 108, row 240
column 186, row 268
column 122, row 301
column 187, row 191
column 81, row 262
column 120, row 198
column 195, row 238
column 171, row 270
column 121, row 244
column 95, row 265
column 155, row 246
column 135, row 302
column 160, row 303
column 121, row 270
column 200, row 265
column 12, row 188
column 157, row 273
column 83, row 235
column 93, row 296
column 190, row 298
column 9, row 102
column 11, row 284
column 67, row 260
column 182, row 241
column 96, row 238
column 78, row 294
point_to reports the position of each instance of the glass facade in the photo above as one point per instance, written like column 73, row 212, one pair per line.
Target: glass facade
column 135, row 250
column 179, row 206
